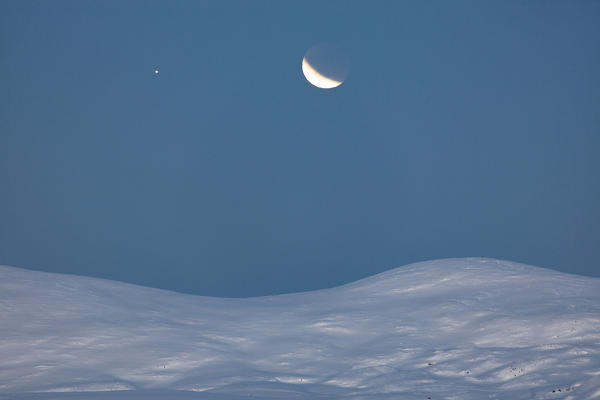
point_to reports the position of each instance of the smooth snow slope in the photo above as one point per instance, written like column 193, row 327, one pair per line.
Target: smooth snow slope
column 448, row 329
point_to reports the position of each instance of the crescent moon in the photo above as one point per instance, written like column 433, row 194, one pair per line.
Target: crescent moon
column 316, row 78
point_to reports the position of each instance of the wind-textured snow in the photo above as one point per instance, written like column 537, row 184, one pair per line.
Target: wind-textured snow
column 448, row 329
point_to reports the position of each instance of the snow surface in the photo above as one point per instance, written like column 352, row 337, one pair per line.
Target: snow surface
column 448, row 329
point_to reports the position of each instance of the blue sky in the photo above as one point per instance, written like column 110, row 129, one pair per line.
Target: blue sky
column 464, row 129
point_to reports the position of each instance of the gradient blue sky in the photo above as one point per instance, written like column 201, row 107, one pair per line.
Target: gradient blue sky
column 465, row 129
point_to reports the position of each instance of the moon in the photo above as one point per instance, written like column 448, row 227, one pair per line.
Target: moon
column 325, row 66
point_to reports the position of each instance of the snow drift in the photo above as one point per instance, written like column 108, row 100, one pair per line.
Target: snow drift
column 447, row 329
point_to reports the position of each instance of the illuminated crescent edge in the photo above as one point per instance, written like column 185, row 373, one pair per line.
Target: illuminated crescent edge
column 317, row 79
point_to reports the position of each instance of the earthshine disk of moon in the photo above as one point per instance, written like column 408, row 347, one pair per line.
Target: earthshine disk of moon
column 325, row 66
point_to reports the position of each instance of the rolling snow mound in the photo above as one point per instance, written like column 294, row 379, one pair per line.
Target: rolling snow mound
column 447, row 329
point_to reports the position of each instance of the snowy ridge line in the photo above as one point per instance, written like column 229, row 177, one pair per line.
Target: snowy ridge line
column 446, row 329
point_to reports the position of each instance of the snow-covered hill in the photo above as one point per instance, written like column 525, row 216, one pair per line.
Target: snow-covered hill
column 448, row 329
